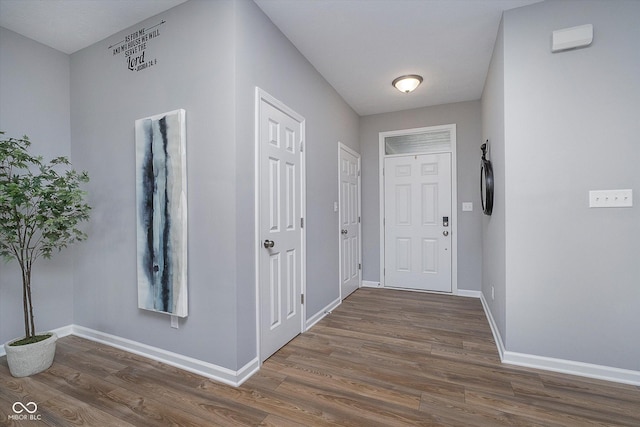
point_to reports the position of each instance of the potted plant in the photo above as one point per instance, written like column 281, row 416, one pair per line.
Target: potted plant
column 41, row 206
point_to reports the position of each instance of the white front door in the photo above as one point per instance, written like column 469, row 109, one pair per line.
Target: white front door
column 417, row 227
column 350, row 271
column 280, row 199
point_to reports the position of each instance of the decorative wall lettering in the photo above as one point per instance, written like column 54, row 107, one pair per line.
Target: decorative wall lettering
column 134, row 47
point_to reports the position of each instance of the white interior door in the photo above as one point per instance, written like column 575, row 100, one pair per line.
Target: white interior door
column 281, row 251
column 350, row 264
column 417, row 225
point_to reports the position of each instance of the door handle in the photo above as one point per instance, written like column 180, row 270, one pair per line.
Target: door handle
column 344, row 232
column 269, row 244
column 445, row 233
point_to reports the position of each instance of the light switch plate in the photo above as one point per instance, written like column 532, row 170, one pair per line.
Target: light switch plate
column 611, row 198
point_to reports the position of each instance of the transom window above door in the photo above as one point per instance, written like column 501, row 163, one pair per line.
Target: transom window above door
column 429, row 141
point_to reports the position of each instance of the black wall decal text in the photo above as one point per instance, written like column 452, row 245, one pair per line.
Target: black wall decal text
column 134, row 47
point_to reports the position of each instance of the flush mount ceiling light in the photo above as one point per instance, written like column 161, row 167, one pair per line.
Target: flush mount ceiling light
column 408, row 83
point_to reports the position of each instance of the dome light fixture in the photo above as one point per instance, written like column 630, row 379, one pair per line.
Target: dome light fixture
column 407, row 83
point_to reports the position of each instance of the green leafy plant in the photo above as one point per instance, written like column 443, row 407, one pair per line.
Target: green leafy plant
column 41, row 206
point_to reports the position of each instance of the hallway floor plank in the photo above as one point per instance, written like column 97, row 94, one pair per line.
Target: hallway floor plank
column 383, row 358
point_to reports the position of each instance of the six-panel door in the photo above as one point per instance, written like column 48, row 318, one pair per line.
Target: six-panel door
column 417, row 228
column 280, row 229
column 349, row 222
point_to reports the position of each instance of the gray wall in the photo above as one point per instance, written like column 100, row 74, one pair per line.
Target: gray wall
column 571, row 125
column 467, row 117
column 493, row 227
column 194, row 71
column 211, row 71
column 565, row 276
column 265, row 58
column 34, row 100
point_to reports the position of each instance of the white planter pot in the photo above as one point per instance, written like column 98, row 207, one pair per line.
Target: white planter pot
column 25, row 360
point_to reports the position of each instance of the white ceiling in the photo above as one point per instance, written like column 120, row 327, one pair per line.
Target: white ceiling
column 359, row 46
column 71, row 25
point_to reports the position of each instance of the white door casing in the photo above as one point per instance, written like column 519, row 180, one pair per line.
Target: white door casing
column 432, row 140
column 349, row 214
column 280, row 232
column 417, row 222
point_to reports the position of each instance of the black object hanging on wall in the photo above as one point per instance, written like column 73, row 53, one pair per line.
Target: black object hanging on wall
column 486, row 181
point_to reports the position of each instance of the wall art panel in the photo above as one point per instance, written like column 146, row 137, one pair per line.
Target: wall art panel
column 161, row 198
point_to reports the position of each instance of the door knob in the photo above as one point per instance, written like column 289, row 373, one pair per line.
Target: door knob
column 344, row 232
column 268, row 244
column 446, row 233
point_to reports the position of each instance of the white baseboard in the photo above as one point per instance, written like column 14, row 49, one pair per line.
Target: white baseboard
column 369, row 284
column 196, row 366
column 494, row 327
column 236, row 378
column 64, row 331
column 570, row 367
column 469, row 293
column 321, row 314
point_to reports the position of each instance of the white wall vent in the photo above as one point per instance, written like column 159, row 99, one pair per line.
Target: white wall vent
column 572, row 38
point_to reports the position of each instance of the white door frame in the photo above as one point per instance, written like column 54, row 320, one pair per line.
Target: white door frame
column 454, row 193
column 354, row 153
column 260, row 96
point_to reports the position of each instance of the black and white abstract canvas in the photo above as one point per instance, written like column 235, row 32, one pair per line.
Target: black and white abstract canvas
column 161, row 197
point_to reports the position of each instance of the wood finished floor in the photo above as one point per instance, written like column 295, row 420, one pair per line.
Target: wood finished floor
column 383, row 358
